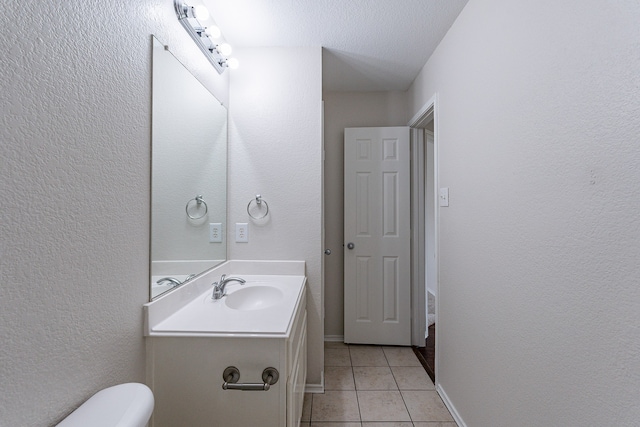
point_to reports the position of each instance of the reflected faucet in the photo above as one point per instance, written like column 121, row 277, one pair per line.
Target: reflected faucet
column 219, row 287
column 173, row 280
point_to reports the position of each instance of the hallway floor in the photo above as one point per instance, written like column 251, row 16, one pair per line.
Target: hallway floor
column 372, row 386
column 427, row 354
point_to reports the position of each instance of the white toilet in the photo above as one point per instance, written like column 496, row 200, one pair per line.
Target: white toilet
column 124, row 405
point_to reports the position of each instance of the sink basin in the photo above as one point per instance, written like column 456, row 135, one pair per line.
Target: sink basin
column 254, row 298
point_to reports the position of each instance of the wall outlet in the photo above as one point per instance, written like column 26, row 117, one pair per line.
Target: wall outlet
column 242, row 232
column 215, row 232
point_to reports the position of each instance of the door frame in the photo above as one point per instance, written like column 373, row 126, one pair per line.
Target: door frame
column 418, row 242
column 418, row 122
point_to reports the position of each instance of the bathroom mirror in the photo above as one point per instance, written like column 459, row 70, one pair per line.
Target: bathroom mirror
column 188, row 175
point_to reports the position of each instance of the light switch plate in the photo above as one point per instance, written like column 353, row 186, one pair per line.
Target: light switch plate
column 443, row 196
column 215, row 232
column 242, row 232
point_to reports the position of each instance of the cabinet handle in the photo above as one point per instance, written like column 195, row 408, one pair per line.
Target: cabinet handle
column 231, row 375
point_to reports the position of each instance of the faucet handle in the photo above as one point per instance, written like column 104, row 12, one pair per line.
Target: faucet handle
column 217, row 291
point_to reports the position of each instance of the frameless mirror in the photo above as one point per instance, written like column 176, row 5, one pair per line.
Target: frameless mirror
column 188, row 175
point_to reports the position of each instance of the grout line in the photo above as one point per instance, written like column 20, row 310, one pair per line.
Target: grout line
column 395, row 379
column 353, row 377
column 359, row 411
column 355, row 387
column 385, row 357
column 406, row 407
column 350, row 359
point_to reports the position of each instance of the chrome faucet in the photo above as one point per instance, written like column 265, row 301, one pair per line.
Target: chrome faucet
column 219, row 287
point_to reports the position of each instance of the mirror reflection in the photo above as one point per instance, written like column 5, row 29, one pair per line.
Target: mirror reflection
column 188, row 174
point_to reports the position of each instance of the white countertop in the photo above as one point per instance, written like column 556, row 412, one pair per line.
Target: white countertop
column 202, row 316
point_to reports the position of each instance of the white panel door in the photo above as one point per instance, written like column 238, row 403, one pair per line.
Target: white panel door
column 377, row 275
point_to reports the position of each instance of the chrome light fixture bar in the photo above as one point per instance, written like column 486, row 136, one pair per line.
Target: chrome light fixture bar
column 214, row 52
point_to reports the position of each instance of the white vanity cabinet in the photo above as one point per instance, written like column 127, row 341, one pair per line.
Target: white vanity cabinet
column 185, row 372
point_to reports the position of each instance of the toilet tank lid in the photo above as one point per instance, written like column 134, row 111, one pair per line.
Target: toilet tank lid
column 123, row 405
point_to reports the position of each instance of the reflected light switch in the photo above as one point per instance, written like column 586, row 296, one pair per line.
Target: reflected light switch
column 215, row 232
column 443, row 196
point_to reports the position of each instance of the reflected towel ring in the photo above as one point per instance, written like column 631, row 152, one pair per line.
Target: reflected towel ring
column 259, row 202
column 199, row 201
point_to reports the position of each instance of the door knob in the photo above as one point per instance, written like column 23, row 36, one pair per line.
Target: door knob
column 350, row 245
column 327, row 251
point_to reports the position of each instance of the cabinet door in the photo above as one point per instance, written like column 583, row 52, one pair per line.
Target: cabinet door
column 187, row 382
column 298, row 378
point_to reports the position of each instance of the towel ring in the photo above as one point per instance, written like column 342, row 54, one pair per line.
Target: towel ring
column 259, row 201
column 199, row 201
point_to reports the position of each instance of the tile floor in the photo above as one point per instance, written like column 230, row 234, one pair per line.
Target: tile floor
column 371, row 386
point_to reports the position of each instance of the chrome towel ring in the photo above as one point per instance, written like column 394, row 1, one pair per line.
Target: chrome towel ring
column 199, row 201
column 260, row 202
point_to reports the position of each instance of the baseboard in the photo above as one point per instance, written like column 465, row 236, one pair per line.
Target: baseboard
column 454, row 413
column 314, row 388
column 334, row 338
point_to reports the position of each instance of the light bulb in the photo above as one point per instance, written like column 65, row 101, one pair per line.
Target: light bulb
column 201, row 13
column 213, row 32
column 225, row 49
column 233, row 63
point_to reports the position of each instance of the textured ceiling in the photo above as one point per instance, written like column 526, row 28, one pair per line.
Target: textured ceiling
column 368, row 45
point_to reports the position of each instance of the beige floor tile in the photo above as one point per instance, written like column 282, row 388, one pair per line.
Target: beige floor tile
column 426, row 406
column 436, row 424
column 335, row 344
column 366, row 355
column 306, row 407
column 336, row 425
column 382, row 406
column 338, row 378
column 335, row 406
column 401, row 356
column 337, row 357
column 388, row 424
column 374, row 378
column 412, row 378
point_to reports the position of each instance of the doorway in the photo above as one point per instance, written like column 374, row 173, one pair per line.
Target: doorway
column 351, row 110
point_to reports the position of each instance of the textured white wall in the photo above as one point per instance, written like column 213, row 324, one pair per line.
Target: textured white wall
column 75, row 81
column 347, row 109
column 275, row 149
column 539, row 118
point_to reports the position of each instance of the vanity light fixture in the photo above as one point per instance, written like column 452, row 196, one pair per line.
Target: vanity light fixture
column 217, row 53
column 213, row 31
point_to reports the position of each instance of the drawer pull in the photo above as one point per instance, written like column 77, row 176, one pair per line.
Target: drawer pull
column 231, row 375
